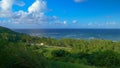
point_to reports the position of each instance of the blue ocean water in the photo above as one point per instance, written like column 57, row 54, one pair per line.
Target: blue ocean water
column 107, row 34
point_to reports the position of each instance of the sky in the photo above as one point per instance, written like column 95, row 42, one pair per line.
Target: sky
column 60, row 13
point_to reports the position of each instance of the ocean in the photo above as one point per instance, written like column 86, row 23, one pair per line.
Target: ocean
column 107, row 34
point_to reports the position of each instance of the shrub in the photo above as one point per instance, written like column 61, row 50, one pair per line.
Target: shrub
column 18, row 55
column 60, row 53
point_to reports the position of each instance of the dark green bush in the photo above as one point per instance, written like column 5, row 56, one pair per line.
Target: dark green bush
column 105, row 58
column 18, row 55
column 60, row 53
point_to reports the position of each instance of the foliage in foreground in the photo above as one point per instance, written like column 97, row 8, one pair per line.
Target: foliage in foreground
column 105, row 58
column 23, row 51
column 18, row 55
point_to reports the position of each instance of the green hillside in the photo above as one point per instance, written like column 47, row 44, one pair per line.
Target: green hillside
column 24, row 51
column 5, row 30
column 15, row 53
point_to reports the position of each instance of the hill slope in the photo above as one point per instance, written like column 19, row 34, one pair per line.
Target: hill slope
column 11, row 36
column 14, row 52
column 6, row 30
column 63, row 53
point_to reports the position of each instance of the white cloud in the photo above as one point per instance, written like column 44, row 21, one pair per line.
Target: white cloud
column 110, row 23
column 37, row 6
column 35, row 13
column 64, row 22
column 6, row 5
column 75, row 21
column 90, row 24
column 101, row 24
column 78, row 1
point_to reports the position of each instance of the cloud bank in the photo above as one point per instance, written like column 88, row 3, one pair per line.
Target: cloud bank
column 34, row 14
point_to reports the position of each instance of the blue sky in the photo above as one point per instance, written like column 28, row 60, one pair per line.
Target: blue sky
column 60, row 13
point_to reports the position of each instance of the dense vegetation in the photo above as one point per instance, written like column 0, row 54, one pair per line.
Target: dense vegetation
column 15, row 52
column 24, row 51
column 99, row 53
